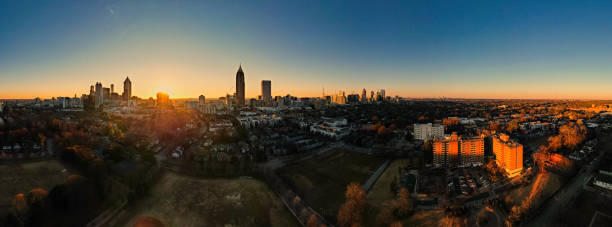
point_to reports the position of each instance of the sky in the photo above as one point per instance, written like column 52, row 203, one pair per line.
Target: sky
column 462, row 49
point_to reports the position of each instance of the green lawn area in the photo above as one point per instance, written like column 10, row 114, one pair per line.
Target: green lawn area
column 179, row 200
column 381, row 193
column 322, row 180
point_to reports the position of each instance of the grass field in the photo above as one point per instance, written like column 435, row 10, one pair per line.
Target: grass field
column 21, row 178
column 543, row 185
column 381, row 193
column 322, row 180
column 178, row 200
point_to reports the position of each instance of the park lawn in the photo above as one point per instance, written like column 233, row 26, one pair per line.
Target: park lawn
column 21, row 178
column 179, row 200
column 544, row 184
column 381, row 191
column 322, row 180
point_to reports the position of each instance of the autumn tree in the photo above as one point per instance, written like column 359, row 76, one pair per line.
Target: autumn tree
column 351, row 212
column 403, row 204
column 19, row 206
column 313, row 221
column 572, row 134
column 512, row 126
column 385, row 214
column 396, row 224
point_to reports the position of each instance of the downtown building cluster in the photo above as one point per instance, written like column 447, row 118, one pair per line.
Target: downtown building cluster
column 100, row 96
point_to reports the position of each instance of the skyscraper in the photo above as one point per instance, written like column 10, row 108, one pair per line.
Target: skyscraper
column 266, row 92
column 364, row 95
column 202, row 100
column 163, row 100
column 127, row 89
column 112, row 90
column 240, row 87
column 99, row 95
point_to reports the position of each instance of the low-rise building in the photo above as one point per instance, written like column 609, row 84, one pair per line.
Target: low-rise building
column 334, row 128
column 603, row 179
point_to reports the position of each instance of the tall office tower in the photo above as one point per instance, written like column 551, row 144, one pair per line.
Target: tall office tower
column 163, row 100
column 266, row 92
column 372, row 96
column 106, row 94
column 457, row 151
column 508, row 154
column 383, row 94
column 99, row 95
column 364, row 95
column 240, row 87
column 127, row 89
column 112, row 88
column 91, row 90
column 202, row 100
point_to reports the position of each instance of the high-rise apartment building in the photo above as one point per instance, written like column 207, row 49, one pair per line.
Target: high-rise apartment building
column 458, row 151
column 508, row 154
column 240, row 87
column 428, row 131
column 266, row 92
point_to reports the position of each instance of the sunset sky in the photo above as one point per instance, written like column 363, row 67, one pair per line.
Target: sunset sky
column 480, row 49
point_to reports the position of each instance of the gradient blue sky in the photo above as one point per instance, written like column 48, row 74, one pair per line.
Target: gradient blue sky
column 474, row 49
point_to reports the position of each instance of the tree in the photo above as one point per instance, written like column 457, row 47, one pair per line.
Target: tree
column 313, row 221
column 403, row 204
column 396, row 224
column 19, row 206
column 351, row 212
column 385, row 215
column 512, row 126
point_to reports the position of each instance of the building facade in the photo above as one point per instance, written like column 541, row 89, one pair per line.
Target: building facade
column 364, row 97
column 457, row 151
column 99, row 99
column 201, row 100
column 163, row 99
column 428, row 131
column 127, row 89
column 508, row 154
column 266, row 92
column 240, row 87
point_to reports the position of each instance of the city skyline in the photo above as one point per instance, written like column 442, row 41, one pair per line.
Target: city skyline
column 421, row 50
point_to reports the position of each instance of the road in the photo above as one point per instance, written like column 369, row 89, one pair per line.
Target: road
column 552, row 209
